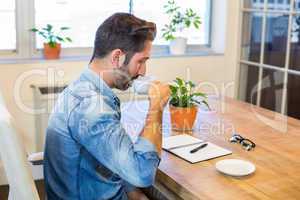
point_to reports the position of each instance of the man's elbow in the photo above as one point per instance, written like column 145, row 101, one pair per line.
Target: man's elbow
column 143, row 177
column 143, row 172
column 143, row 181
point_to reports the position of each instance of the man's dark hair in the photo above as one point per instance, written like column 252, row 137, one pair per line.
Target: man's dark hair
column 122, row 31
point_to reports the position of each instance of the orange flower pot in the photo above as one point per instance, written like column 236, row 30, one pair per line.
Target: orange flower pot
column 52, row 52
column 183, row 118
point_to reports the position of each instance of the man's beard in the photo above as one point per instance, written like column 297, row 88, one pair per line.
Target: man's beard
column 123, row 80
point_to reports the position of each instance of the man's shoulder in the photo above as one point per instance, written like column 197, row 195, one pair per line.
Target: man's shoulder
column 82, row 88
column 89, row 98
column 77, row 93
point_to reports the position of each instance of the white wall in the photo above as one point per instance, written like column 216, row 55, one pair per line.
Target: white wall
column 200, row 69
column 219, row 70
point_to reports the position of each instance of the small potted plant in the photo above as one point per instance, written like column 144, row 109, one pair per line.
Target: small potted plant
column 184, row 103
column 179, row 20
column 52, row 45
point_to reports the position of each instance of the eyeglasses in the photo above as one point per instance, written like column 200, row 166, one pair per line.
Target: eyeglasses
column 246, row 143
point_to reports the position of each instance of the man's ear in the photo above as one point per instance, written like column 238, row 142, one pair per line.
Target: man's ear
column 122, row 60
column 117, row 58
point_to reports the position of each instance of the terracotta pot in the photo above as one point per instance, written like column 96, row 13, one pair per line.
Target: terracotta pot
column 183, row 118
column 52, row 52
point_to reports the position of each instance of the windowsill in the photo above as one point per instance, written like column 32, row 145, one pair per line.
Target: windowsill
column 188, row 54
column 87, row 58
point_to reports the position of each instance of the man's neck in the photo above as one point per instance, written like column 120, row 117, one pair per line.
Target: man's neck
column 102, row 69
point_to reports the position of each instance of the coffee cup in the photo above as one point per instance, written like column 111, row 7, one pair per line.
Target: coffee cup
column 142, row 84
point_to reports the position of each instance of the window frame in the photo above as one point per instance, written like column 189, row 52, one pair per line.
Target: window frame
column 26, row 40
column 260, row 64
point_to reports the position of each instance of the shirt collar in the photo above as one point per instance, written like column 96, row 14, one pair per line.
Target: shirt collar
column 100, row 84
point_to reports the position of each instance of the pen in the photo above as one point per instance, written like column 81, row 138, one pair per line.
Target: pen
column 198, row 148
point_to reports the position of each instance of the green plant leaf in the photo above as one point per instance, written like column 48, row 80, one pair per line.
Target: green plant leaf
column 187, row 23
column 205, row 103
column 34, row 29
column 179, row 81
column 178, row 19
column 50, row 35
column 170, row 37
column 59, row 39
column 199, row 94
column 173, row 89
column 49, row 27
column 64, row 28
column 46, row 29
column 182, row 96
column 195, row 101
column 68, row 39
column 191, row 84
column 168, row 31
column 42, row 34
column 183, row 90
column 201, row 102
column 183, row 102
column 174, row 101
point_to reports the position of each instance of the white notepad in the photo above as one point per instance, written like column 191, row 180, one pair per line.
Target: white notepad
column 181, row 145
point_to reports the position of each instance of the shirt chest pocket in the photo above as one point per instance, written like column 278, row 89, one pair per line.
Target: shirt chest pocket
column 107, row 175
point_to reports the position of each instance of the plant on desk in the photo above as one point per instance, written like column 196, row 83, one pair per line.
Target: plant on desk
column 53, row 39
column 184, row 104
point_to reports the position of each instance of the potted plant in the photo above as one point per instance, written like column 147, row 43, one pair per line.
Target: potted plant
column 183, row 104
column 179, row 20
column 53, row 39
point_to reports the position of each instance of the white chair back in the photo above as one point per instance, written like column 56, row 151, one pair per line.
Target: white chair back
column 13, row 156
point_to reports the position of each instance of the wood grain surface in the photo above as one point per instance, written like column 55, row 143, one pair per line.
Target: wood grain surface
column 276, row 156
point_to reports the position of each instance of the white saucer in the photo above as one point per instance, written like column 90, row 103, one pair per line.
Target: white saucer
column 235, row 167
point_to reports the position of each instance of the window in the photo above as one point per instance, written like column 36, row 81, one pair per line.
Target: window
column 153, row 11
column 84, row 17
column 270, row 51
column 7, row 21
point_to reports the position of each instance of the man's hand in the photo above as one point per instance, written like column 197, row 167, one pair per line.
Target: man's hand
column 159, row 94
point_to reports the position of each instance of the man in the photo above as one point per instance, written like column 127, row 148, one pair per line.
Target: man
column 88, row 154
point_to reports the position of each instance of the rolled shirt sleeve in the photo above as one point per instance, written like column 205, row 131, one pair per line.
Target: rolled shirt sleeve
column 97, row 127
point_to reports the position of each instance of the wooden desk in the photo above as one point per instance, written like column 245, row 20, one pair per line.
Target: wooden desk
column 276, row 156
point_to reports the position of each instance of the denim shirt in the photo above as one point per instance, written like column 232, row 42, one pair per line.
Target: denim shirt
column 88, row 154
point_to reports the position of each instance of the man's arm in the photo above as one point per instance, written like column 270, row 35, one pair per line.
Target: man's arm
column 158, row 97
column 97, row 128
